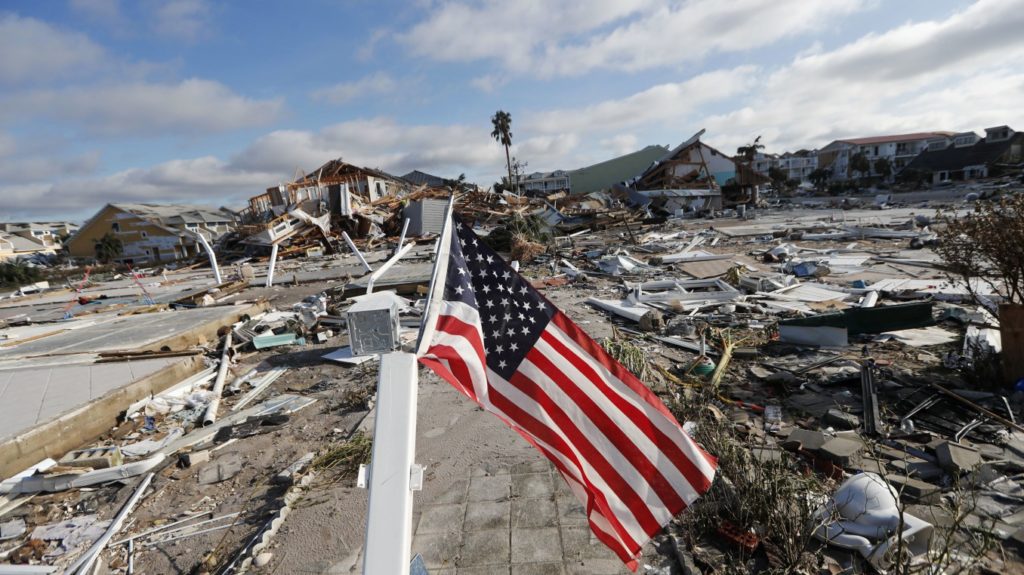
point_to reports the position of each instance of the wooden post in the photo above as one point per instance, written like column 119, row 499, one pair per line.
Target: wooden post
column 1011, row 330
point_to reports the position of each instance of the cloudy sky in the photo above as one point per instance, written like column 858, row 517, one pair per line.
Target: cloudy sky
column 206, row 102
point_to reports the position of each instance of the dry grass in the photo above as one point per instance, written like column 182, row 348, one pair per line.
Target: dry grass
column 345, row 458
column 631, row 356
column 773, row 498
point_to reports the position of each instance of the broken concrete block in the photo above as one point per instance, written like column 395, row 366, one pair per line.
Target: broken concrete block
column 287, row 476
column 840, row 419
column 918, row 468
column 957, row 458
column 767, row 454
column 652, row 321
column 1016, row 541
column 224, row 468
column 96, row 458
column 843, row 451
column 809, row 440
column 914, row 489
column 193, row 458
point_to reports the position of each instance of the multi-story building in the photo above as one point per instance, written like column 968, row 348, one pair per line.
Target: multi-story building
column 544, row 182
column 970, row 156
column 798, row 165
column 899, row 150
column 151, row 233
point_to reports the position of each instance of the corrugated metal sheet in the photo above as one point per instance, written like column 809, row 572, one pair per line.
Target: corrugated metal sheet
column 425, row 216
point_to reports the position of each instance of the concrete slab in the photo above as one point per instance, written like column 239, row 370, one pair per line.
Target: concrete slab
column 520, row 519
column 482, row 548
column 528, row 513
column 113, row 333
column 489, row 488
column 481, row 515
column 29, row 397
column 957, row 458
column 532, row 485
column 556, row 568
column 536, row 545
column 843, row 451
column 444, row 518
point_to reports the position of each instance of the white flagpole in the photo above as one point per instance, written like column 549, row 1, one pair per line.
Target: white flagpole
column 393, row 475
column 435, row 294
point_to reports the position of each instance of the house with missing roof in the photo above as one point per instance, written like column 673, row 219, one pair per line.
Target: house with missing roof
column 898, row 149
column 694, row 176
column 26, row 238
column 329, row 188
column 152, row 233
column 969, row 156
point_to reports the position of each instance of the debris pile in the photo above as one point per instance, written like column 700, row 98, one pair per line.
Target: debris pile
column 846, row 378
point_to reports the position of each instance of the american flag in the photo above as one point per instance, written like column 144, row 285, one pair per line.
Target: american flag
column 500, row 342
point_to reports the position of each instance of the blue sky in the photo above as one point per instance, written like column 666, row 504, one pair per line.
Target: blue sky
column 194, row 101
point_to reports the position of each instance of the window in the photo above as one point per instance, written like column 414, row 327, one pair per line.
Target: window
column 115, row 227
column 144, row 235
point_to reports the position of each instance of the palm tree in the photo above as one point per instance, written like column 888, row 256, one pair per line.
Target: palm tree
column 108, row 247
column 750, row 150
column 502, row 122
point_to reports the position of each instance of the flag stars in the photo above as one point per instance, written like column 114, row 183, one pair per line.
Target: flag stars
column 459, row 290
column 502, row 364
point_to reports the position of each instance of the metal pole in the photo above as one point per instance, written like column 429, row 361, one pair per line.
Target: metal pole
column 270, row 267
column 401, row 237
column 389, row 518
column 355, row 250
column 387, row 265
column 212, row 256
column 218, row 384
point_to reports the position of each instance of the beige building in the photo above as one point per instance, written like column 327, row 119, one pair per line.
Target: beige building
column 151, row 233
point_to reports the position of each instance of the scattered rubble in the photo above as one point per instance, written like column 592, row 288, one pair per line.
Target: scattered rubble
column 827, row 362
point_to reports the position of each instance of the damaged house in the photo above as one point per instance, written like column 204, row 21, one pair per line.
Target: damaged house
column 693, row 177
column 152, row 233
column 334, row 190
column 29, row 238
column 968, row 157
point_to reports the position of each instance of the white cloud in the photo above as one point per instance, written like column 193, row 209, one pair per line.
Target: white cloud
column 510, row 32
column 379, row 143
column 185, row 20
column 445, row 150
column 107, row 12
column 344, row 92
column 205, row 180
column 34, row 52
column 960, row 73
column 570, row 38
column 191, row 106
column 489, row 82
column 621, row 144
column 660, row 103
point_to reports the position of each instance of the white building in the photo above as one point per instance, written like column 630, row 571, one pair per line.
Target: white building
column 899, row 150
column 545, row 182
column 797, row 165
